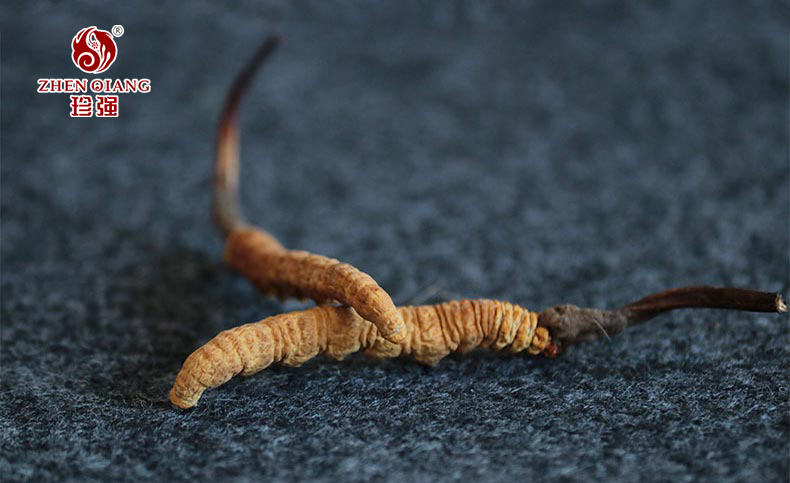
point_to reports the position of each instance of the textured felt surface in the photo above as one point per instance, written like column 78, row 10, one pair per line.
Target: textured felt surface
column 540, row 152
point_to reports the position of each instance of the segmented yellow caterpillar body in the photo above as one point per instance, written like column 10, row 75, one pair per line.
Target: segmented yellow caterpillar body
column 432, row 332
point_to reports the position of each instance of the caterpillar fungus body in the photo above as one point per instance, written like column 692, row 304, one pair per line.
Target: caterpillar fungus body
column 258, row 256
column 432, row 332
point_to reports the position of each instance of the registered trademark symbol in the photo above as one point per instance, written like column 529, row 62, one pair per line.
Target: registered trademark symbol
column 117, row 30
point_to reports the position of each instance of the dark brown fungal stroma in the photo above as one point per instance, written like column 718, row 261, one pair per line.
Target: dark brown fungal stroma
column 372, row 322
column 569, row 324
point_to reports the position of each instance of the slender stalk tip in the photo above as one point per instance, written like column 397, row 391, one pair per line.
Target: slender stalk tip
column 226, row 210
column 781, row 306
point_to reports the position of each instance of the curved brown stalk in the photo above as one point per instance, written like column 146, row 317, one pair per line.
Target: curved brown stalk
column 570, row 324
column 261, row 258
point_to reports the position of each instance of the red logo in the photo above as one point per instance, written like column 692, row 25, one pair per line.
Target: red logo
column 93, row 50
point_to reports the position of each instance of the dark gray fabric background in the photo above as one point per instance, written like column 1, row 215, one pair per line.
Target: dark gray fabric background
column 538, row 152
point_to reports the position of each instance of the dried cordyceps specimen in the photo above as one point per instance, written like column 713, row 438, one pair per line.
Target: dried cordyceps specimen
column 427, row 333
column 262, row 259
column 432, row 332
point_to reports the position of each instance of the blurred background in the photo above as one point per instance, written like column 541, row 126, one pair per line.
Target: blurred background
column 538, row 152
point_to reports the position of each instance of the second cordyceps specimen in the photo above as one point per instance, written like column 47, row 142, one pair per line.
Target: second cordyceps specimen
column 262, row 259
column 432, row 332
column 369, row 320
